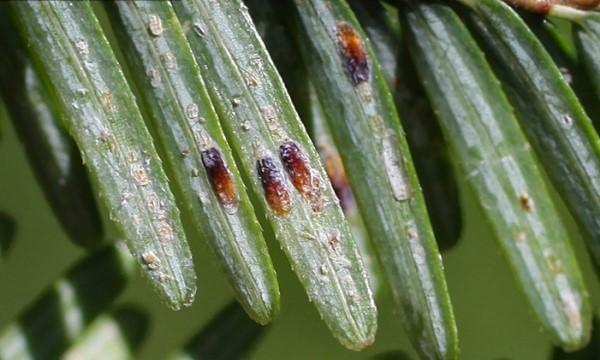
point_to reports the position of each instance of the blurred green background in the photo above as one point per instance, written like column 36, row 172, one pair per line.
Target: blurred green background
column 493, row 319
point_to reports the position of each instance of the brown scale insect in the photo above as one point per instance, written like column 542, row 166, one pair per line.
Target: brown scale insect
column 276, row 192
column 353, row 52
column 544, row 6
column 579, row 4
column 339, row 181
column 303, row 176
column 537, row 6
column 526, row 203
column 220, row 178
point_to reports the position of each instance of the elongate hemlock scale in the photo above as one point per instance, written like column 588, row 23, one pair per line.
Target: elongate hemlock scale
column 274, row 186
column 285, row 54
column 558, row 128
column 339, row 181
column 337, row 175
column 353, row 51
column 73, row 57
column 258, row 118
column 220, row 178
column 381, row 26
column 203, row 168
column 498, row 164
column 53, row 156
column 425, row 140
column 304, row 178
column 359, row 109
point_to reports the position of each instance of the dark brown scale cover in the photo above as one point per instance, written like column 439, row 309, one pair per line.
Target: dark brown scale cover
column 303, row 177
column 339, row 181
column 276, row 191
column 220, row 177
column 353, row 52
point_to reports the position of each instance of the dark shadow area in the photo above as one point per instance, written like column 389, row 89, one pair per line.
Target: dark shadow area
column 229, row 335
column 7, row 233
column 590, row 352
column 61, row 313
column 134, row 324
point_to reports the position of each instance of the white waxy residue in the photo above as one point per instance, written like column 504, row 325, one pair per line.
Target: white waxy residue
column 155, row 25
column 393, row 168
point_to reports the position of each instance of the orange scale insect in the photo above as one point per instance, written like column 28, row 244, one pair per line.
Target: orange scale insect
column 220, row 178
column 354, row 54
column 276, row 191
column 306, row 182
